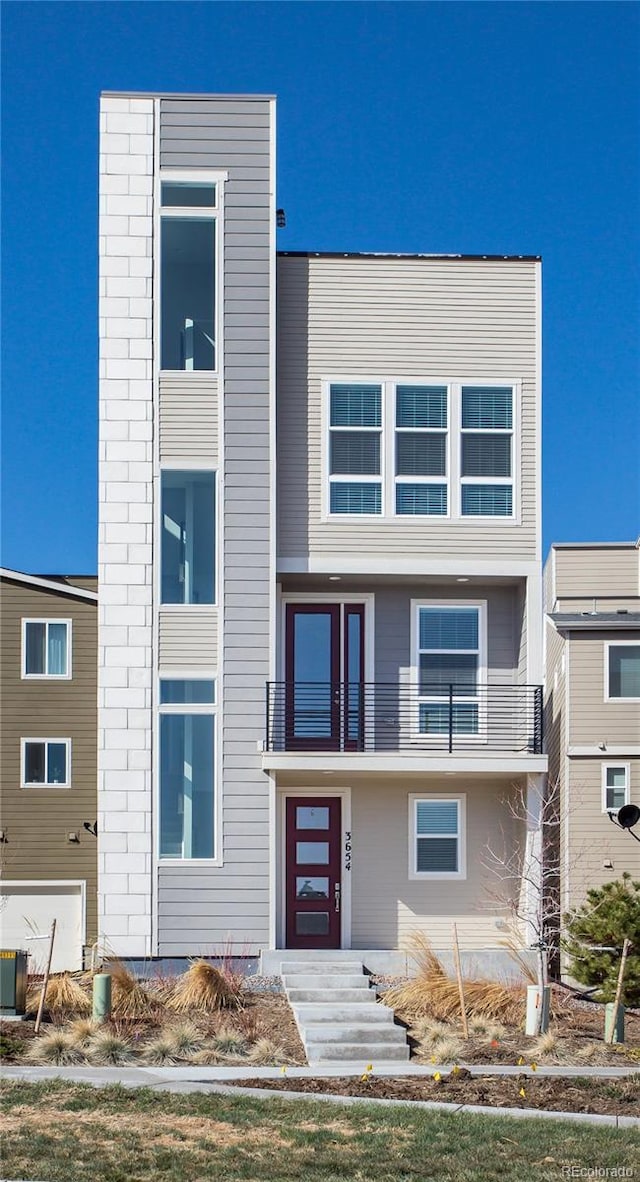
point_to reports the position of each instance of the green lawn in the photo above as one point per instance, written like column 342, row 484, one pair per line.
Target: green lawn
column 75, row 1133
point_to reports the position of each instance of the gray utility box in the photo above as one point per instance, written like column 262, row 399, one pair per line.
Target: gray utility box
column 13, row 982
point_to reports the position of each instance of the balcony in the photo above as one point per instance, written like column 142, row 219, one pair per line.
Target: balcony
column 389, row 718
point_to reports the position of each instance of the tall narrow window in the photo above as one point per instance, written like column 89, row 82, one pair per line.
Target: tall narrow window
column 46, row 648
column 355, row 449
column 486, row 459
column 188, row 537
column 449, row 661
column 187, row 769
column 421, row 450
column 187, row 275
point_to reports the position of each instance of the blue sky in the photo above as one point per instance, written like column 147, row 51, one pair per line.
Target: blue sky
column 449, row 127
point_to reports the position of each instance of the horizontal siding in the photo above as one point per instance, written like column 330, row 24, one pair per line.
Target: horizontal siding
column 188, row 418
column 206, row 908
column 595, row 571
column 603, row 603
column 37, row 821
column 416, row 319
column 592, row 719
column 388, row 907
column 188, row 640
column 593, row 840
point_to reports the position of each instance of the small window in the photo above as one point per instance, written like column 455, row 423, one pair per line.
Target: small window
column 46, row 648
column 188, row 537
column 624, row 671
column 615, row 786
column 437, row 848
column 355, row 449
column 188, row 193
column 46, row 763
column 174, row 691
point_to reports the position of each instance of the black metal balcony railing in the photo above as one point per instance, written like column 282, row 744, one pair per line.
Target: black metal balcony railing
column 389, row 717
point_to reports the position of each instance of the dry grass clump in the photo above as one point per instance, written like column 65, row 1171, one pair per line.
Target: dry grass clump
column 109, row 1048
column 427, row 1030
column 266, row 1053
column 57, row 1048
column 184, row 1039
column 160, row 1051
column 64, row 995
column 82, row 1030
column 130, row 999
column 207, row 1057
column 433, row 993
column 484, row 1029
column 230, row 1043
column 204, row 988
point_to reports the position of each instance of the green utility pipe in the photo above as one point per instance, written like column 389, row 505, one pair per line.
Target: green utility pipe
column 613, row 1033
column 101, row 997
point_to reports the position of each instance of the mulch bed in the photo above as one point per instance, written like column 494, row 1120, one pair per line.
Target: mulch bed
column 603, row 1097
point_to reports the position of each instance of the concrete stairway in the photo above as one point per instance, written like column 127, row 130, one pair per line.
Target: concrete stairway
column 337, row 1014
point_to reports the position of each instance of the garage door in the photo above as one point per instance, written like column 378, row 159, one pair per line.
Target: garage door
column 27, row 911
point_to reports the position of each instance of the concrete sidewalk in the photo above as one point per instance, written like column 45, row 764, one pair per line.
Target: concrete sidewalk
column 214, row 1080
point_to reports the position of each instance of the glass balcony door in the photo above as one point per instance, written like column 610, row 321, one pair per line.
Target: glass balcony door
column 324, row 660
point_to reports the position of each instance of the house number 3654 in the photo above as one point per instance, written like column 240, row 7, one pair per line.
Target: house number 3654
column 347, row 851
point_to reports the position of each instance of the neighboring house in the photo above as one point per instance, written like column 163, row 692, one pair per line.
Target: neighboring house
column 320, row 645
column 48, row 716
column 592, row 707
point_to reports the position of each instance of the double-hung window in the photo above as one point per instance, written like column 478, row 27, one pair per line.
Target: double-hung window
column 421, row 439
column 622, row 672
column 355, row 449
column 46, row 648
column 187, row 272
column 449, row 668
column 187, row 559
column 615, row 786
column 46, row 763
column 486, row 451
column 436, row 836
column 187, row 768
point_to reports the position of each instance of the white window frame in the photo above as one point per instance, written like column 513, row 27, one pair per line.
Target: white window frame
column 499, row 432
column 186, row 467
column 47, row 620
column 213, row 212
column 24, row 783
column 453, row 479
column 609, row 644
column 328, row 478
column 458, row 875
column 439, row 605
column 207, row 708
column 626, row 767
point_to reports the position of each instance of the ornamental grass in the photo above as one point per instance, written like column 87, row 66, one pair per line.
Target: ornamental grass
column 205, row 988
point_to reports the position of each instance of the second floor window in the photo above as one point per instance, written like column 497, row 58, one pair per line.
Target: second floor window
column 414, row 450
column 449, row 660
column 187, row 561
column 187, row 274
column 623, row 672
column 46, row 648
column 46, row 763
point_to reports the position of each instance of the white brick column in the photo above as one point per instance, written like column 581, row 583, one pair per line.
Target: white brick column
column 125, row 527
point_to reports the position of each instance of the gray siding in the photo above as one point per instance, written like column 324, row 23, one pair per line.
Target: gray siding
column 188, row 418
column 202, row 908
column 421, row 319
column 188, row 639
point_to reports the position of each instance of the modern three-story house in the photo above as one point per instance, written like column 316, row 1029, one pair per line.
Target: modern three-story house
column 320, row 589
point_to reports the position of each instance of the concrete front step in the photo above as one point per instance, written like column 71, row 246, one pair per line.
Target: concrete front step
column 348, row 1032
column 360, row 1052
column 332, row 996
column 353, row 1012
column 325, row 980
column 291, row 967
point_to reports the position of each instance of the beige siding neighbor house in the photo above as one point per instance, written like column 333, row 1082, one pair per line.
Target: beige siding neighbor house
column 320, row 615
column 48, row 716
column 592, row 707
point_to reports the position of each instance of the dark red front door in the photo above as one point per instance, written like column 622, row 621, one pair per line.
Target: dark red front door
column 313, row 881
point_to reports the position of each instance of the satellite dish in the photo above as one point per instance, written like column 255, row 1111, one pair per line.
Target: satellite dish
column 628, row 816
